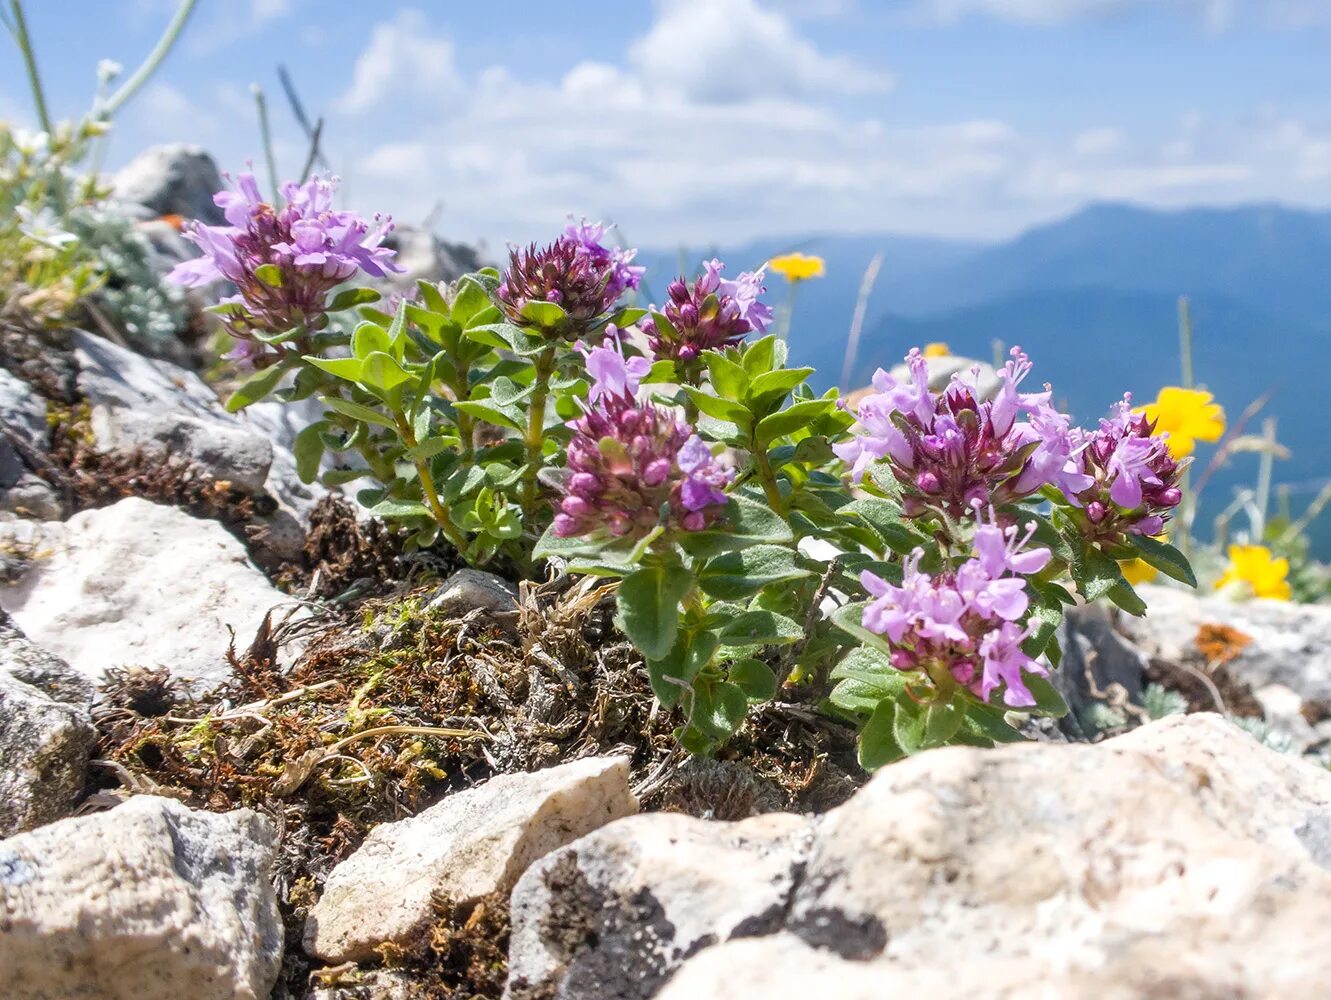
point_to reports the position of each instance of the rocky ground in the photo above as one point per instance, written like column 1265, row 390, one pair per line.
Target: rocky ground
column 249, row 749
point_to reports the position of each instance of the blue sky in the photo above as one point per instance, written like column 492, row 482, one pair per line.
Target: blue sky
column 701, row 121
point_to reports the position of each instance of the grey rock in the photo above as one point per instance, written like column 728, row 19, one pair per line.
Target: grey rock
column 615, row 913
column 46, row 734
column 150, row 901
column 1291, row 643
column 138, row 584
column 175, row 179
column 139, row 402
column 425, row 257
column 1182, row 859
column 1099, row 667
column 22, row 424
column 469, row 589
column 31, row 496
column 467, row 846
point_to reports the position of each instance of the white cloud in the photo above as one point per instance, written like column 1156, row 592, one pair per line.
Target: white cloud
column 402, row 59
column 1097, row 141
column 1215, row 15
column 736, row 50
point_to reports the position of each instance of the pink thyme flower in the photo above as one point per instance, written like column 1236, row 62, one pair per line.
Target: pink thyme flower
column 951, row 451
column 712, row 313
column 612, row 373
column 632, row 466
column 312, row 247
column 1132, row 479
column 624, row 274
column 963, row 625
column 574, row 272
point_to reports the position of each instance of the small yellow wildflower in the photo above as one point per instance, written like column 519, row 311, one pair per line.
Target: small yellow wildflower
column 1189, row 415
column 797, row 266
column 937, row 349
column 1253, row 566
column 1137, row 571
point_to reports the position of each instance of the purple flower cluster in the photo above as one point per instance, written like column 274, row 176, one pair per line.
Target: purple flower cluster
column 711, row 314
column 950, row 451
column 1132, row 481
column 963, row 626
column 305, row 249
column 575, row 272
column 631, row 465
column 624, row 274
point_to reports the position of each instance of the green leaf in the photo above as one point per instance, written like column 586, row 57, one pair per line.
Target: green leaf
column 847, row 619
column 721, row 409
column 368, row 338
column 400, row 509
column 349, row 298
column 870, row 669
column 547, row 315
column 269, row 274
column 1164, row 557
column 942, row 721
column 878, row 742
column 381, row 371
column 648, row 604
column 747, row 522
column 308, row 449
column 909, row 721
column 887, row 521
column 744, row 573
column 357, row 411
column 789, row 420
column 491, row 413
column 729, row 380
column 761, row 628
column 662, row 371
column 755, row 678
column 760, row 357
column 348, row 369
column 673, row 674
column 1043, row 623
column 254, row 388
column 1096, row 574
column 1126, row 598
column 987, row 721
column 1047, row 699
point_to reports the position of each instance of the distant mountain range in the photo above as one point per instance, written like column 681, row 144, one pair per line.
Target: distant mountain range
column 1093, row 300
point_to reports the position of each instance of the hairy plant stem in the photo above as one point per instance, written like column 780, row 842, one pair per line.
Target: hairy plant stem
column 30, row 64
column 149, row 66
column 768, row 479
column 266, row 135
column 440, row 515
column 535, row 437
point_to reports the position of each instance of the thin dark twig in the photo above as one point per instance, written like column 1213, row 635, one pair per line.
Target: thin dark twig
column 302, row 119
column 314, row 151
column 1222, row 451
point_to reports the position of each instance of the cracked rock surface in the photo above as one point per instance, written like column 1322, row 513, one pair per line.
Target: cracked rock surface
column 1182, row 859
column 150, row 901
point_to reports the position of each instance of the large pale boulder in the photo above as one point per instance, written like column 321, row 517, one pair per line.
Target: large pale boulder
column 150, row 901
column 174, row 179
column 140, row 584
column 464, row 847
column 1182, row 859
column 46, row 734
column 1290, row 643
column 615, row 913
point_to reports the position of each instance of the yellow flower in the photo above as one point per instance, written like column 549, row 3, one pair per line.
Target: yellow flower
column 937, row 349
column 1137, row 571
column 1189, row 415
column 797, row 266
column 1253, row 566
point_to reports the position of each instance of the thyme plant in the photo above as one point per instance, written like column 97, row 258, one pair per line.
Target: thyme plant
column 907, row 561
